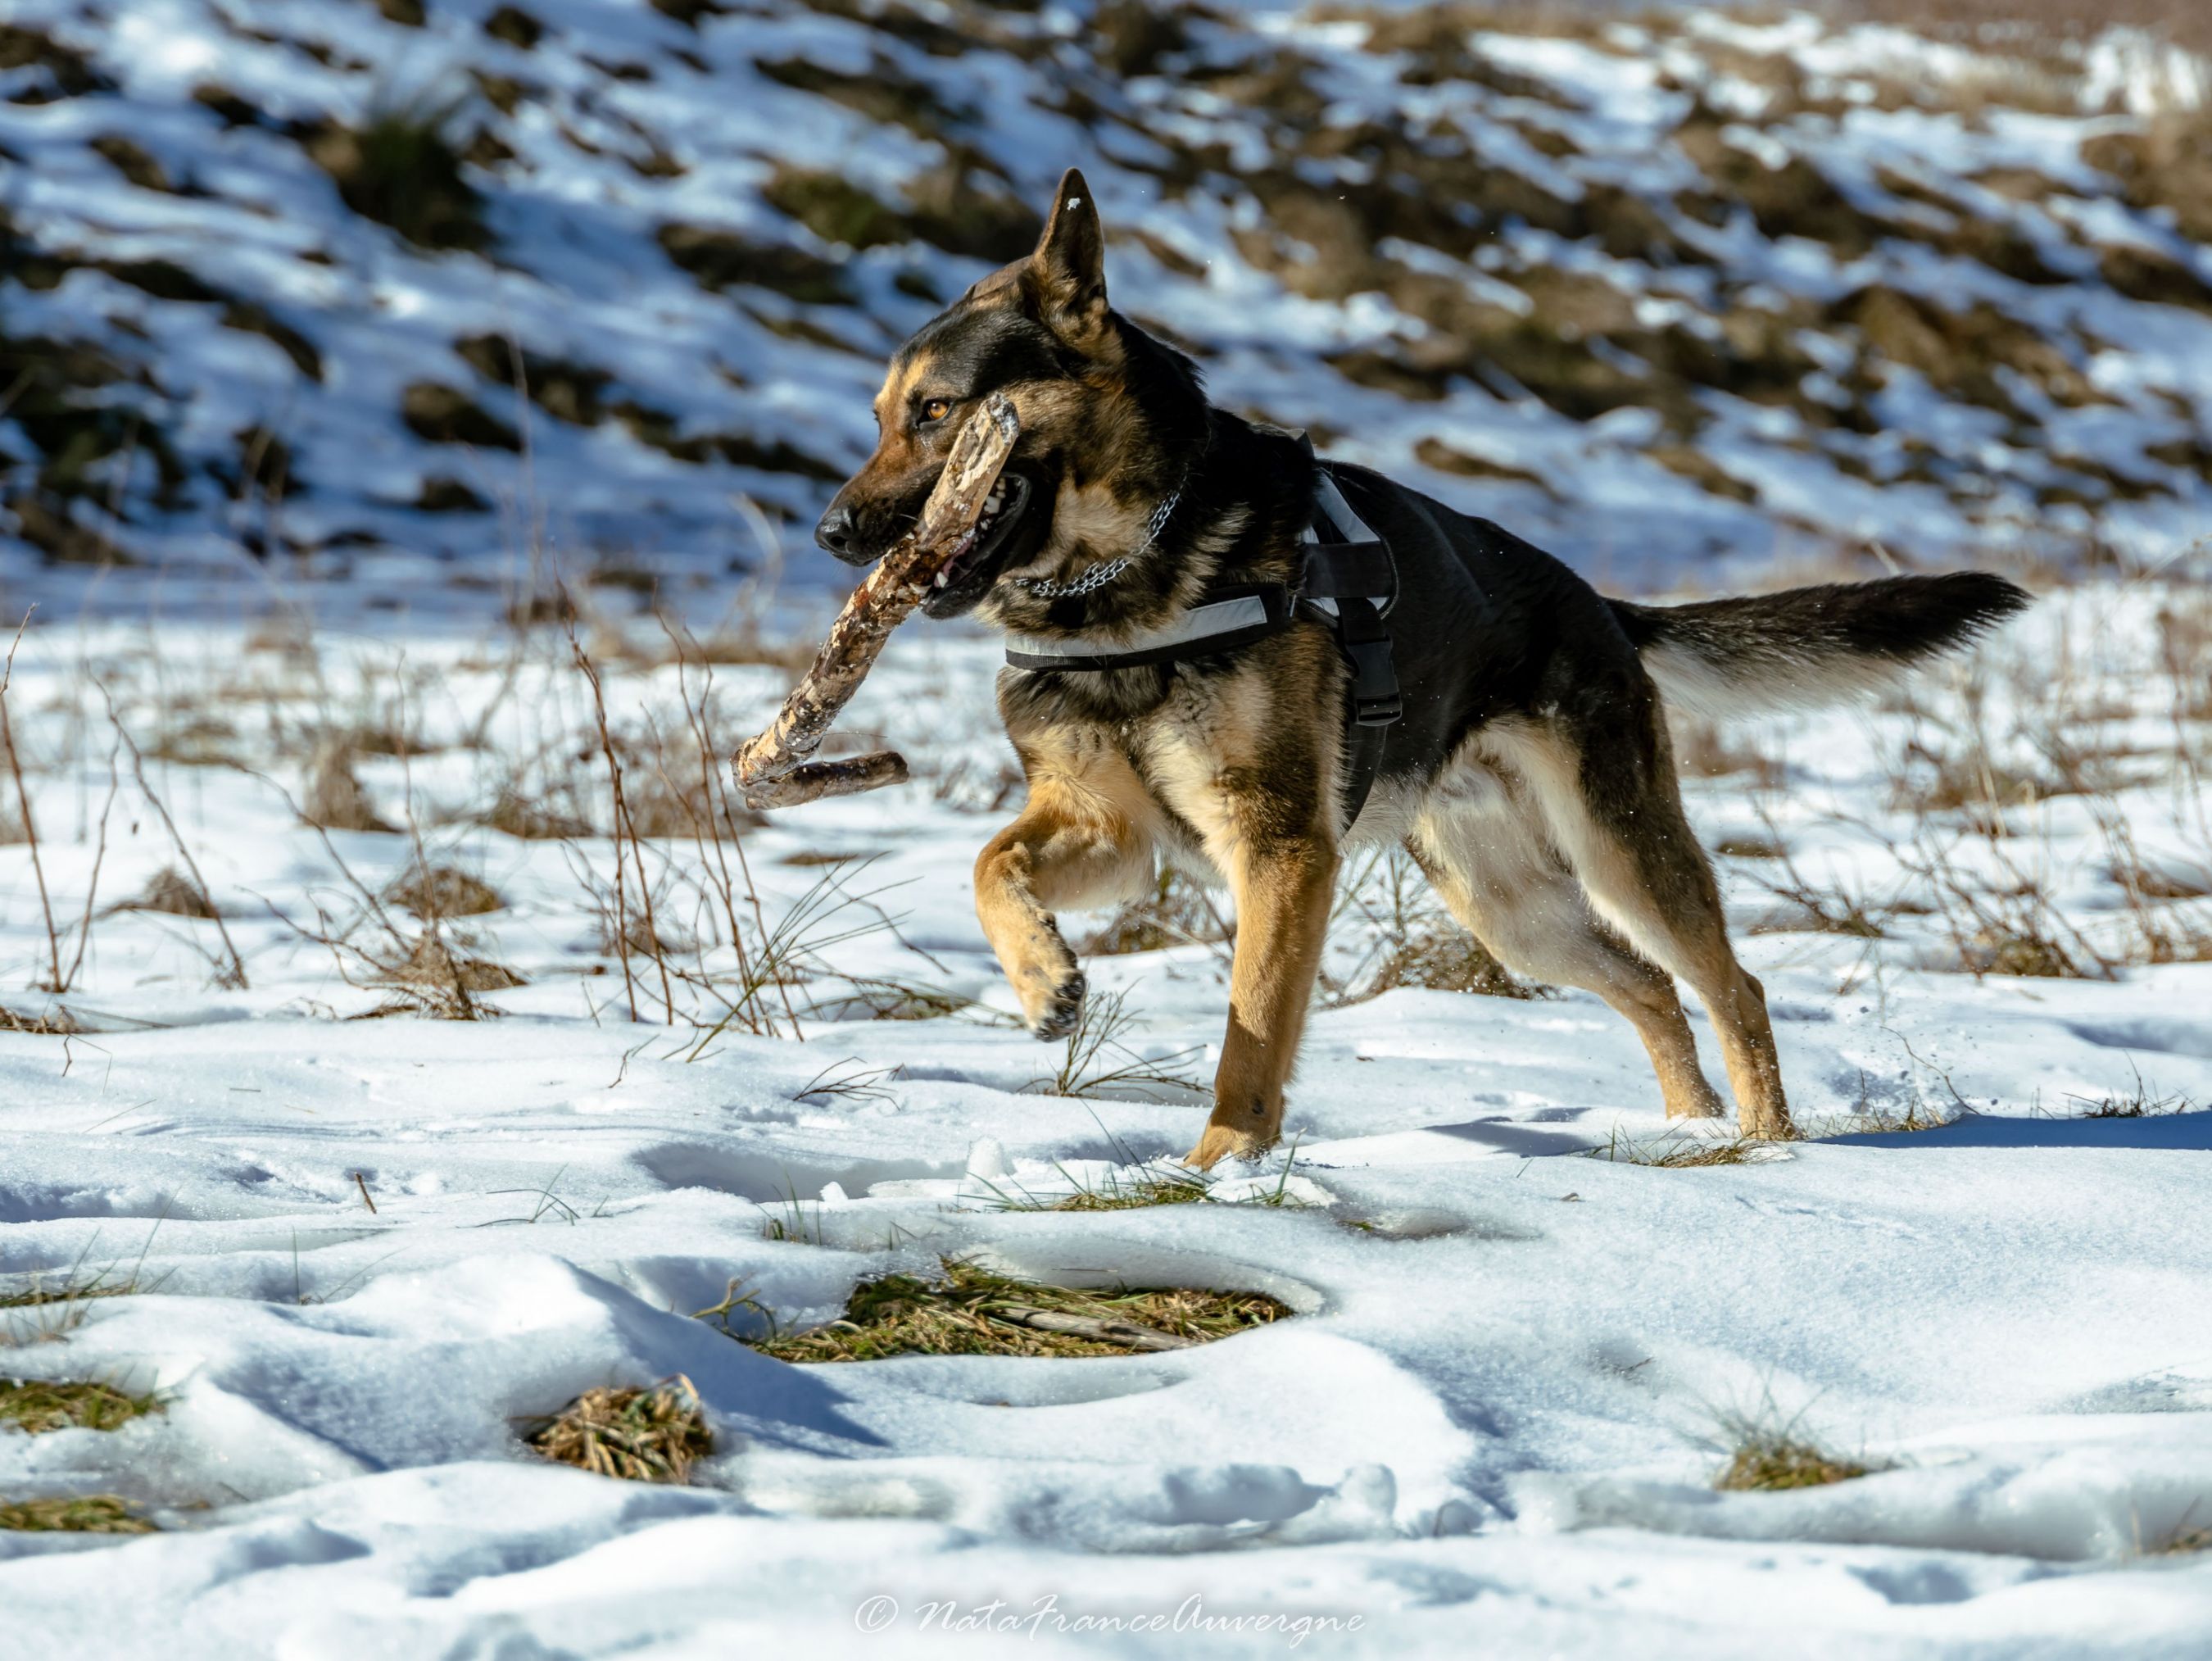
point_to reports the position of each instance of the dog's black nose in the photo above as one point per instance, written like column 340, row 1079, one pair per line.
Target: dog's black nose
column 835, row 532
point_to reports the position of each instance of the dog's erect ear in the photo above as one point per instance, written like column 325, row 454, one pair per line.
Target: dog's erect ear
column 1068, row 270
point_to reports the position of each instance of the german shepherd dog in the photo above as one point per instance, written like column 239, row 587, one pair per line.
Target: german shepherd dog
column 1530, row 776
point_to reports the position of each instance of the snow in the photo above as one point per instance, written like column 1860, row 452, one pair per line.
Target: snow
column 1498, row 1404
column 354, row 1251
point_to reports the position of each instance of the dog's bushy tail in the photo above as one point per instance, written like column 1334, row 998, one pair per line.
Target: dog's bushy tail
column 1808, row 647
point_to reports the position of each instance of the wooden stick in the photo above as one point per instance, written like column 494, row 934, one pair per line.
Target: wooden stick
column 1128, row 1334
column 775, row 768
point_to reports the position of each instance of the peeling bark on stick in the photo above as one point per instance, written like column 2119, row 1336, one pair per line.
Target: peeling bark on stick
column 1128, row 1334
column 775, row 768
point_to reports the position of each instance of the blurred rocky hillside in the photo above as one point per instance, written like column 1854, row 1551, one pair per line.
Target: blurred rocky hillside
column 399, row 288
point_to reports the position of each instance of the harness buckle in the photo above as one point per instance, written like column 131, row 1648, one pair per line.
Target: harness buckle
column 1376, row 701
column 1375, row 697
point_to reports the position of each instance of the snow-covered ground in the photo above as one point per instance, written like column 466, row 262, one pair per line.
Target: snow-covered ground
column 1519, row 1351
column 1682, row 296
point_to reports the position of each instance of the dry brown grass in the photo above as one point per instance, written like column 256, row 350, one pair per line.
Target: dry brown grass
column 530, row 818
column 858, row 997
column 653, row 1435
column 174, row 894
column 443, row 891
column 1175, row 911
column 334, row 799
column 2139, row 1102
column 434, row 968
column 1703, row 749
column 1816, row 908
column 1752, row 848
column 1964, row 779
column 75, row 1514
column 1772, row 1462
column 55, row 1023
column 35, row 1406
column 2145, row 882
column 1679, row 1150
column 1116, row 1194
column 1769, row 1453
column 963, row 1311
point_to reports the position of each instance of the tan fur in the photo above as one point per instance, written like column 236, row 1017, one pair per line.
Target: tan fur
column 1085, row 838
column 1657, row 888
column 1094, row 825
column 1481, row 841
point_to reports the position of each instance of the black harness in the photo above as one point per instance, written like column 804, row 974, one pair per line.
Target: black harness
column 1349, row 581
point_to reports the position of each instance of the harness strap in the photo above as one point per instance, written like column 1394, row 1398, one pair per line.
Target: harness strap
column 1355, row 570
column 1352, row 568
column 1221, row 625
column 1350, row 582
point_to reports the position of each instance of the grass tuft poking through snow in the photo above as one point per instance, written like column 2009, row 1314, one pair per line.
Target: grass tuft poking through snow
column 1112, row 1192
column 40, row 1314
column 433, row 968
column 1769, row 1454
column 1097, row 1063
column 1157, row 1183
column 2185, row 1542
column 2142, row 1102
column 640, row 1435
column 55, row 1023
column 73, row 1514
column 35, row 1406
column 173, row 894
column 443, row 891
column 970, row 1310
column 1770, row 1463
column 1164, row 1188
column 1680, row 1151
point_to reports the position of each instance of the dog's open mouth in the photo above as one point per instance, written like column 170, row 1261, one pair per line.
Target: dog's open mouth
column 1016, row 517
column 1002, row 512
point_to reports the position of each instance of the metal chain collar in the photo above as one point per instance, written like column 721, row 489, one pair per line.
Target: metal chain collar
column 1099, row 576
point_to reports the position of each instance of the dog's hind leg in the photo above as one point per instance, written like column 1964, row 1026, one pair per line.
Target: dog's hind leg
column 1480, row 843
column 1083, row 839
column 1605, row 779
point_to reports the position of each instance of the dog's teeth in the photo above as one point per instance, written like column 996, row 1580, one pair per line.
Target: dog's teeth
column 940, row 578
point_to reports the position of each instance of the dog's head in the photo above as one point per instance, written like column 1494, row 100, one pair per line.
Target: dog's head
column 1110, row 417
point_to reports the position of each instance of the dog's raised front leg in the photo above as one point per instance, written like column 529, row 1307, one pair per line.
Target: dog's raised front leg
column 1073, row 845
column 1282, row 891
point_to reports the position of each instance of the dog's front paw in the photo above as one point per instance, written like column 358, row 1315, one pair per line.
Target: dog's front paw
column 1225, row 1142
column 1061, row 1010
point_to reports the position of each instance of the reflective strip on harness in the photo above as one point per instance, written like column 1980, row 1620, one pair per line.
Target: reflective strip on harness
column 1218, row 626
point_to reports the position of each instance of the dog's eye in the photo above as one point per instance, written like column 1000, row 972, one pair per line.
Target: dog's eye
column 936, row 409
